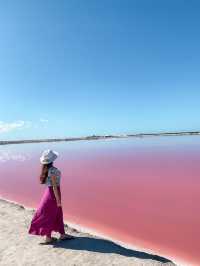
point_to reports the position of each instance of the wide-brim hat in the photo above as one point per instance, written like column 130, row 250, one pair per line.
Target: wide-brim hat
column 48, row 156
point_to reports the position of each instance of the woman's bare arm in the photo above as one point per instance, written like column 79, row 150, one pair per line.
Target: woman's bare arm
column 55, row 189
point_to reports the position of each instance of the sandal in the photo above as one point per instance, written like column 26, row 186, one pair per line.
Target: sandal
column 53, row 239
column 66, row 237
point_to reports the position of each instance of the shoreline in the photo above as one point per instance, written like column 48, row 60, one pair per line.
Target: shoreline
column 95, row 137
column 93, row 233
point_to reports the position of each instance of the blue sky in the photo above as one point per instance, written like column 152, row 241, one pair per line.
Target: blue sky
column 72, row 68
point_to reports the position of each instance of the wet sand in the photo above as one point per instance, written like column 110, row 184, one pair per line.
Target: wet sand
column 17, row 247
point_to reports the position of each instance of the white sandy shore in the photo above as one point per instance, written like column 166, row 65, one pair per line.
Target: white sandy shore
column 19, row 248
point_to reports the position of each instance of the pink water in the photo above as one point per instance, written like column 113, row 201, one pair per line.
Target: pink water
column 144, row 192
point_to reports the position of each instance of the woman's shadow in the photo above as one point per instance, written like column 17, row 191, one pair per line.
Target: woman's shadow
column 105, row 246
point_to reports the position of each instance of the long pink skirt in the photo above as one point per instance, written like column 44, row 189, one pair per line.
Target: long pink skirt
column 48, row 217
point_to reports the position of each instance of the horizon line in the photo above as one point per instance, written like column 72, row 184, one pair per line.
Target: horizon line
column 95, row 137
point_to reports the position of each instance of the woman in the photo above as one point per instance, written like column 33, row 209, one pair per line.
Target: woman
column 49, row 215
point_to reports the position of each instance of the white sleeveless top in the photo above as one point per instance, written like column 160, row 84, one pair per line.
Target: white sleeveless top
column 53, row 171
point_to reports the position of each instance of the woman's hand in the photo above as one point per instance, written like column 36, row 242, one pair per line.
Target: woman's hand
column 58, row 203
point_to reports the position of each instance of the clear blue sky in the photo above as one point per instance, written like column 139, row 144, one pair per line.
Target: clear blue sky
column 71, row 68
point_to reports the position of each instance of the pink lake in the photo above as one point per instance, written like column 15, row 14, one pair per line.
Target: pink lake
column 142, row 191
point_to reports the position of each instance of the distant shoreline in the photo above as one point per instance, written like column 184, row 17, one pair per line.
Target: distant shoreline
column 96, row 137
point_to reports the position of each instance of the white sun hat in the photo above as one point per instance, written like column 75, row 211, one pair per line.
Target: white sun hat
column 48, row 156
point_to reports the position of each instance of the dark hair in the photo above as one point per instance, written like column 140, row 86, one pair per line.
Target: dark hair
column 44, row 172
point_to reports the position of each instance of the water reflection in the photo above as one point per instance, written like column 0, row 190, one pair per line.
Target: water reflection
column 9, row 155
